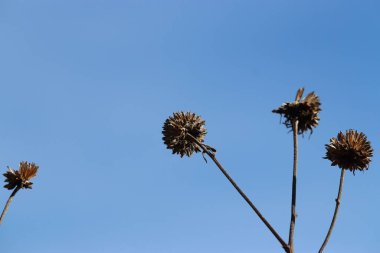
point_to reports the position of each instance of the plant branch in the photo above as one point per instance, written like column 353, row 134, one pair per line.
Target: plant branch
column 9, row 202
column 212, row 156
column 337, row 204
column 294, row 187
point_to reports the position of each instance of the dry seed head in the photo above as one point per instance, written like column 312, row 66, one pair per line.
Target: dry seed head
column 304, row 110
column 176, row 129
column 21, row 177
column 350, row 151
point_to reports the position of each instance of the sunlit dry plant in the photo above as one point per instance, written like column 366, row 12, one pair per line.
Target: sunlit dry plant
column 184, row 134
column 305, row 111
column 179, row 128
column 301, row 116
column 18, row 179
column 350, row 151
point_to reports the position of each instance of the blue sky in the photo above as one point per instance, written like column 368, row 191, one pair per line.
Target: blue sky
column 85, row 87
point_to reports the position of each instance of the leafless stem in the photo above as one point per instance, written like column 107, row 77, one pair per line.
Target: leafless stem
column 337, row 204
column 294, row 187
column 9, row 202
column 212, row 156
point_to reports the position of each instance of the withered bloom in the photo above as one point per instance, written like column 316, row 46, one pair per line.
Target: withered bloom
column 176, row 129
column 21, row 177
column 351, row 151
column 304, row 110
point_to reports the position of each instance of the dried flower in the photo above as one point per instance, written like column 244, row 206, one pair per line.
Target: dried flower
column 20, row 178
column 176, row 129
column 351, row 151
column 305, row 111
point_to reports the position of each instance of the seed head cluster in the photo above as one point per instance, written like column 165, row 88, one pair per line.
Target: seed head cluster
column 350, row 151
column 21, row 177
column 305, row 111
column 176, row 131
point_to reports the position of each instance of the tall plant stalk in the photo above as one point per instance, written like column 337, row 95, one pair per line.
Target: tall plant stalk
column 293, row 215
column 337, row 204
column 245, row 197
column 9, row 202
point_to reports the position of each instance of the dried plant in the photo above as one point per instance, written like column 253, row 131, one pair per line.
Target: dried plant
column 301, row 116
column 350, row 151
column 304, row 111
column 178, row 128
column 18, row 179
column 184, row 134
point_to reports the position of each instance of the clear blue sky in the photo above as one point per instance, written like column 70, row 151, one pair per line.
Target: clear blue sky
column 85, row 87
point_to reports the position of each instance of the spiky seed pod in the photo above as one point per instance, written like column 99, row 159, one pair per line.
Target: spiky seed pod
column 350, row 151
column 176, row 129
column 20, row 177
column 304, row 110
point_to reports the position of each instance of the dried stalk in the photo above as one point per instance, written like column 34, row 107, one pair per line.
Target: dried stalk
column 9, row 202
column 337, row 204
column 294, row 187
column 212, row 156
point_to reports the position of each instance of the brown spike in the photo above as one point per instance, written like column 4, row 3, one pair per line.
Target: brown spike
column 299, row 94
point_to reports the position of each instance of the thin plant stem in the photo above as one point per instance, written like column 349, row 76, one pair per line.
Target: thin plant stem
column 212, row 156
column 9, row 202
column 294, row 187
column 337, row 204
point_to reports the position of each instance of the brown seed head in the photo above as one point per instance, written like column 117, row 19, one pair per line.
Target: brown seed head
column 20, row 178
column 351, row 151
column 304, row 110
column 176, row 129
